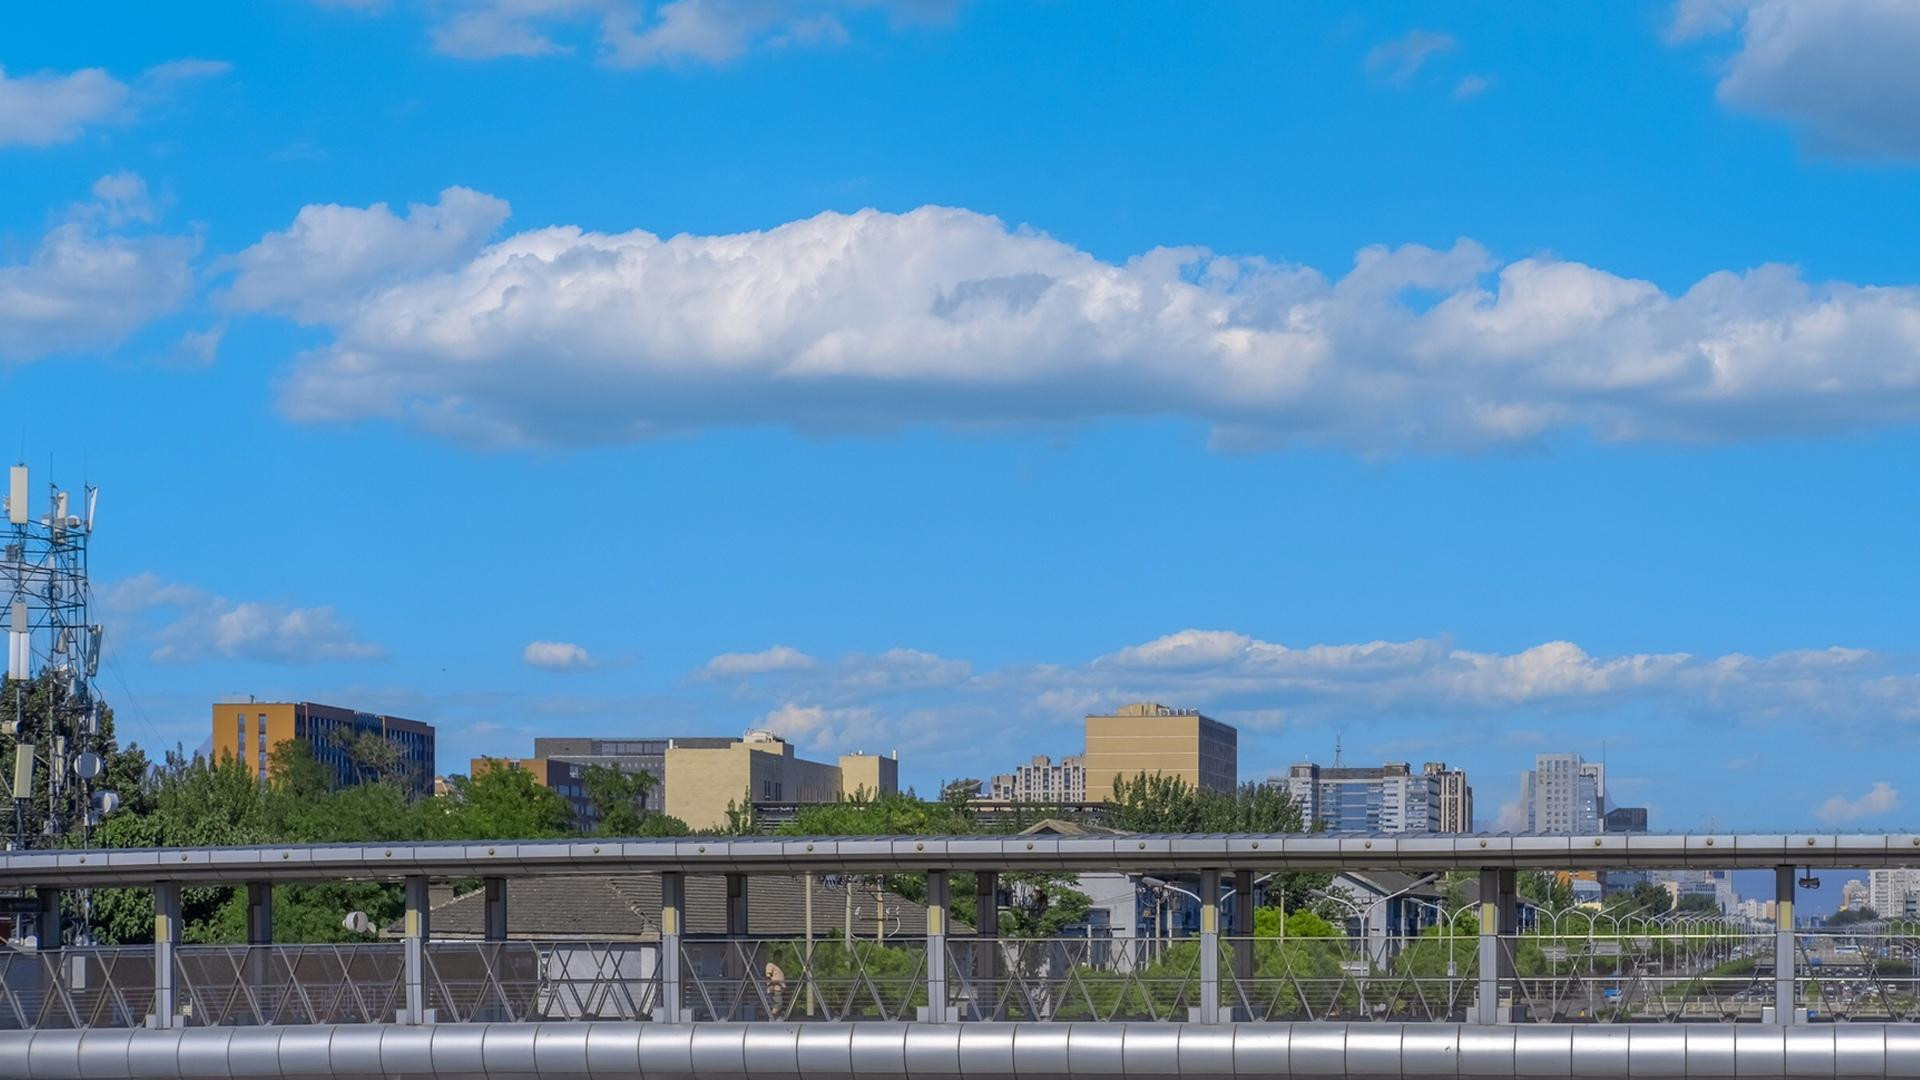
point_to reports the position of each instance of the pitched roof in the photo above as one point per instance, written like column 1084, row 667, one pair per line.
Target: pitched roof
column 626, row 907
column 1063, row 827
column 1389, row 882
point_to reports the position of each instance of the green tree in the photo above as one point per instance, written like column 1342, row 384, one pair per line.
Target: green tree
column 191, row 803
column 1853, row 915
column 619, row 798
column 1158, row 803
column 497, row 802
column 1644, row 899
column 28, row 703
column 1545, row 890
column 1698, row 902
column 885, row 815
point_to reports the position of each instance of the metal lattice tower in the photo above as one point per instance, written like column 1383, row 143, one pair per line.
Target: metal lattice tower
column 51, row 713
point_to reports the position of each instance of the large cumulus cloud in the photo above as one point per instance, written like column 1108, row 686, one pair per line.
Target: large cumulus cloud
column 873, row 320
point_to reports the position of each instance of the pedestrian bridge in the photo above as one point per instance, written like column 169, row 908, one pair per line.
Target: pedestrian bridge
column 1492, row 989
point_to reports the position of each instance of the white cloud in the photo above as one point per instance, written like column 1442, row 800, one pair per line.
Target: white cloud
column 120, row 198
column 1399, row 60
column 46, row 108
column 185, row 70
column 332, row 254
column 1471, row 86
column 917, row 700
column 1879, row 799
column 628, row 33
column 874, row 320
column 777, row 658
column 86, row 285
column 556, row 656
column 194, row 625
column 1840, row 70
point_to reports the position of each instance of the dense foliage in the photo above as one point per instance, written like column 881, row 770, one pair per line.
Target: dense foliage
column 186, row 801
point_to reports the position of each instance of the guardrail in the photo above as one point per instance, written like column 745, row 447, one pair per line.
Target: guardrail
column 1638, row 976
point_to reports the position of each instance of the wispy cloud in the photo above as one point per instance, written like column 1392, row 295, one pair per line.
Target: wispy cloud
column 186, row 624
column 95, row 277
column 1399, row 60
column 631, row 34
column 45, row 108
column 777, row 658
column 1471, row 86
column 1879, row 799
column 913, row 698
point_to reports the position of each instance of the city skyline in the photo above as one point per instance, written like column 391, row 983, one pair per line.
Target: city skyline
column 1454, row 384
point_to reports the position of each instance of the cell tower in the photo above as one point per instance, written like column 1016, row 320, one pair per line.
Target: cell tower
column 51, row 715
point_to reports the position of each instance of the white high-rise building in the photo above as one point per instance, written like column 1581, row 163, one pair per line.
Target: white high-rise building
column 1563, row 794
column 1894, row 892
column 1391, row 798
column 1042, row 781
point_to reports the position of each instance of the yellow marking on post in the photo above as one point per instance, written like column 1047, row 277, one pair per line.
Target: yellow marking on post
column 936, row 920
column 1209, row 919
column 669, row 920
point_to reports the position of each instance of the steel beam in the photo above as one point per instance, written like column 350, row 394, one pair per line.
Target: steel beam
column 98, row 868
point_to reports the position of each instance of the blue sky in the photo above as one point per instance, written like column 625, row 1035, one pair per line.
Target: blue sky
column 1462, row 381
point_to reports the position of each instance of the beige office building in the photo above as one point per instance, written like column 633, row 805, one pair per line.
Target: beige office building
column 701, row 782
column 1150, row 738
column 1454, row 797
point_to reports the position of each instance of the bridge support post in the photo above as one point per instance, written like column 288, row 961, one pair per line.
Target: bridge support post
column 166, row 932
column 259, row 913
column 49, row 926
column 673, row 901
column 43, row 981
column 496, row 914
column 1243, row 909
column 414, row 939
column 737, row 961
column 937, row 887
column 1499, row 916
column 1783, row 952
column 987, row 990
column 259, row 941
column 1209, row 1009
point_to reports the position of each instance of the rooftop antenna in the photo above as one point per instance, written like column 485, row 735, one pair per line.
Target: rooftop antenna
column 1338, row 757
